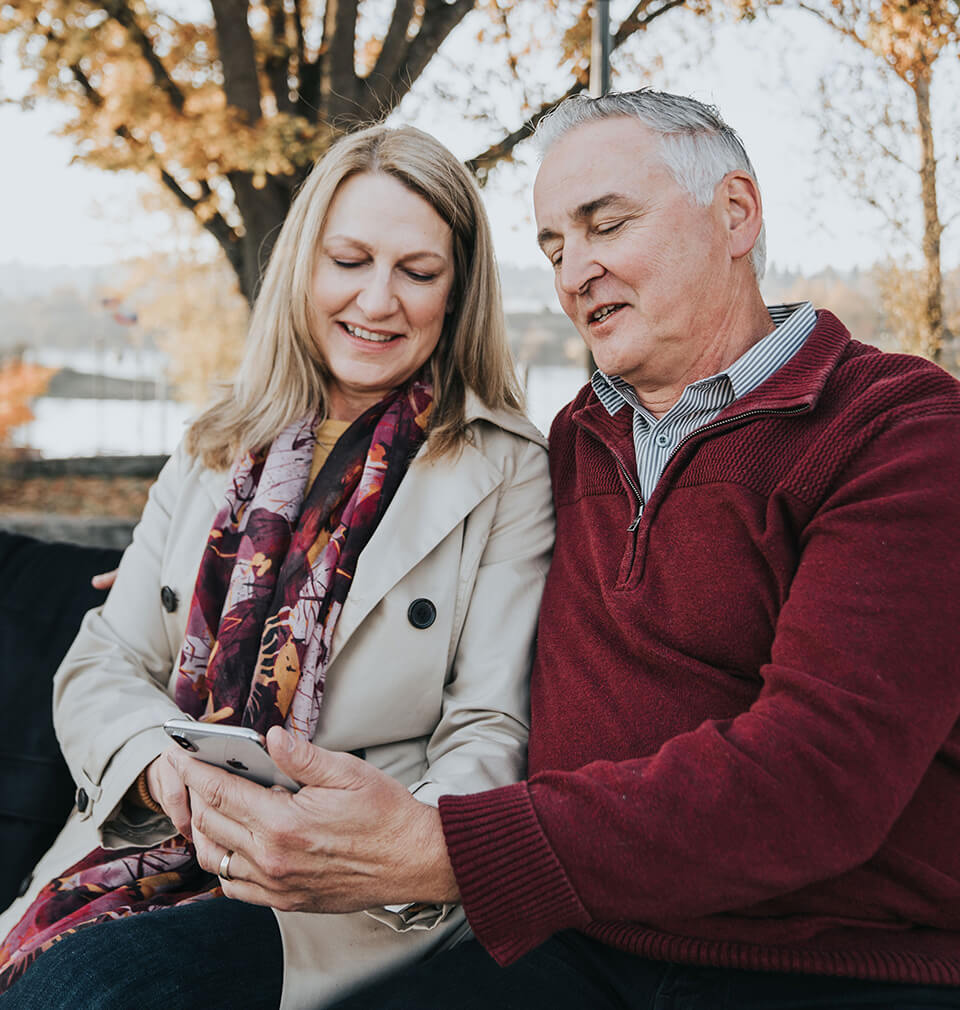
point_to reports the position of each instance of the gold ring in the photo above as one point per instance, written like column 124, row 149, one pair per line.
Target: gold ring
column 224, row 872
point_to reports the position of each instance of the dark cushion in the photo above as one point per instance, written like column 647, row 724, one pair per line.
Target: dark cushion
column 44, row 592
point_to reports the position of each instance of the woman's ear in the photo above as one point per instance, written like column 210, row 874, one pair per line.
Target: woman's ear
column 743, row 209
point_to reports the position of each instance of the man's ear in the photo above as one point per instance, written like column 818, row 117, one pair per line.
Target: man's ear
column 743, row 211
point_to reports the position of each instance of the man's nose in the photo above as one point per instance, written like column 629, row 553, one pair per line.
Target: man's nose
column 377, row 299
column 577, row 269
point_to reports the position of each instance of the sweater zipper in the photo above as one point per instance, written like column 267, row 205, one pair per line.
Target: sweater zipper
column 640, row 502
column 686, row 438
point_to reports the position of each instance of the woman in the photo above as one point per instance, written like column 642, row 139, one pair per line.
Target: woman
column 371, row 518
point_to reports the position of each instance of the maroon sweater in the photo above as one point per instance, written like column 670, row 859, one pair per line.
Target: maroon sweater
column 744, row 745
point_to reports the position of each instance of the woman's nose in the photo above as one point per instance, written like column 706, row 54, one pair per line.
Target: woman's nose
column 377, row 299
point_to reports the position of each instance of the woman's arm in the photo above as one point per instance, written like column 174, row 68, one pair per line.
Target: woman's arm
column 110, row 691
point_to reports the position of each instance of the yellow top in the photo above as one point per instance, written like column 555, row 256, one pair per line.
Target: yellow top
column 328, row 432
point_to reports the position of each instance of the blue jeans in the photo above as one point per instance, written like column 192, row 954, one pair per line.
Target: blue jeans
column 213, row 955
column 572, row 972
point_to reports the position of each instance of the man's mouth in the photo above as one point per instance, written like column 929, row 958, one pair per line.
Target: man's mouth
column 598, row 315
column 370, row 335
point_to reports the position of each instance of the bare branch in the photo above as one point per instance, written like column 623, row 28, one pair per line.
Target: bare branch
column 481, row 164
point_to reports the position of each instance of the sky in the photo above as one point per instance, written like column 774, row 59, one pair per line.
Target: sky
column 762, row 76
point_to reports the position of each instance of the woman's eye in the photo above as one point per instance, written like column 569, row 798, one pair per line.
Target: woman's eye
column 421, row 278
column 347, row 263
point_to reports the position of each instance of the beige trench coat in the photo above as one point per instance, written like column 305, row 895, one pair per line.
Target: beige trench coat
column 443, row 709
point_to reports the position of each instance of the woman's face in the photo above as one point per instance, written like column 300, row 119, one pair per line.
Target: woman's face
column 380, row 289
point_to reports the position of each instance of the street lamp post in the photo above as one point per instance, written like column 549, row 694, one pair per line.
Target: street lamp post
column 600, row 49
column 599, row 78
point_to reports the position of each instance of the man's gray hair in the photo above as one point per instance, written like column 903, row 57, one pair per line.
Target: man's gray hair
column 696, row 145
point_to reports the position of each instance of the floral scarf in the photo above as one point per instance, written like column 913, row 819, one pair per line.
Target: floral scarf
column 273, row 578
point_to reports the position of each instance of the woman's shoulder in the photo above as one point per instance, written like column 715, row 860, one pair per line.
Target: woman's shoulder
column 505, row 424
column 185, row 474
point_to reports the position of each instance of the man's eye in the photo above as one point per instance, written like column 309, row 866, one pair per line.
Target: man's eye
column 555, row 260
column 608, row 227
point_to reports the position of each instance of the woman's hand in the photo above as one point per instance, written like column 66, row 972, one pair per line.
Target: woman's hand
column 351, row 838
column 168, row 789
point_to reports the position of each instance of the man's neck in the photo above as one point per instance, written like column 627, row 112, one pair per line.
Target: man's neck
column 743, row 326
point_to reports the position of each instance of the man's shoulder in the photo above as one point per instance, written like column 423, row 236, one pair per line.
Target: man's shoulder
column 888, row 380
column 563, row 422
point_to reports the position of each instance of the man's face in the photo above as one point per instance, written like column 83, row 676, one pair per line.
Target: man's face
column 641, row 270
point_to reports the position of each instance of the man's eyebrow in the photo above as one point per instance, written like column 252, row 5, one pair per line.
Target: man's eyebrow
column 585, row 212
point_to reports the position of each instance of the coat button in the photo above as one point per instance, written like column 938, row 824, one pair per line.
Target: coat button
column 168, row 598
column 24, row 885
column 421, row 613
column 83, row 800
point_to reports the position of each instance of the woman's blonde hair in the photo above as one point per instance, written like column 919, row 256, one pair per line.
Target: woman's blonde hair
column 283, row 375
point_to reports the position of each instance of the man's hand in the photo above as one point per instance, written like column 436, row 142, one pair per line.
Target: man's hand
column 351, row 838
column 166, row 786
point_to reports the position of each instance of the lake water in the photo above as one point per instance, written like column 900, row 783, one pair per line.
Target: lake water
column 71, row 427
column 64, row 428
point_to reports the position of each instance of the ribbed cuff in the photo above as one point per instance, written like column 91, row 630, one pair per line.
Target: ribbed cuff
column 514, row 890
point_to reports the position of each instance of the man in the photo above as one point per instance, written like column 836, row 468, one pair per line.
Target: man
column 744, row 781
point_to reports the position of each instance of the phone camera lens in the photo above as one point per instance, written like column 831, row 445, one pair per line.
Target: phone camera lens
column 185, row 743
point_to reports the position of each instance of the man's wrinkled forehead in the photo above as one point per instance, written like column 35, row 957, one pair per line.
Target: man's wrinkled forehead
column 595, row 165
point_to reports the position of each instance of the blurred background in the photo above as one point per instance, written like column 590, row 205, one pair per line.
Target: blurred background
column 151, row 149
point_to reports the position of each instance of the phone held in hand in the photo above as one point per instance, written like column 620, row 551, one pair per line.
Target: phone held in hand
column 234, row 748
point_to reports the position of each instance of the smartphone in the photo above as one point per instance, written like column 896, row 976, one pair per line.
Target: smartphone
column 235, row 748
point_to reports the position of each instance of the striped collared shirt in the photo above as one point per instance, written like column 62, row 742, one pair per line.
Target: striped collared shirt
column 656, row 439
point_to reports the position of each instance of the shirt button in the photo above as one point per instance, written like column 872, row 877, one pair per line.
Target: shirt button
column 83, row 800
column 168, row 598
column 421, row 613
column 662, row 440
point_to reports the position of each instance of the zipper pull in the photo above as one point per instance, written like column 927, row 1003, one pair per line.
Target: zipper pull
column 636, row 522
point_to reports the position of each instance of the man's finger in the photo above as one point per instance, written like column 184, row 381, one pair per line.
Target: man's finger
column 313, row 766
column 211, row 827
column 234, row 796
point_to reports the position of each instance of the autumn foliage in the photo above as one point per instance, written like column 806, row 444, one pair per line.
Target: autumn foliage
column 228, row 104
column 20, row 382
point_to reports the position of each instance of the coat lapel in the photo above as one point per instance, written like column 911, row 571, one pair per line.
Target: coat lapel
column 445, row 491
column 214, row 482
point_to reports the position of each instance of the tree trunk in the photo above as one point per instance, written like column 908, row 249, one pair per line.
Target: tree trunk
column 932, row 228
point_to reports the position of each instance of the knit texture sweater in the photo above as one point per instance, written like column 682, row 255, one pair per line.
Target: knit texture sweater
column 744, row 748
